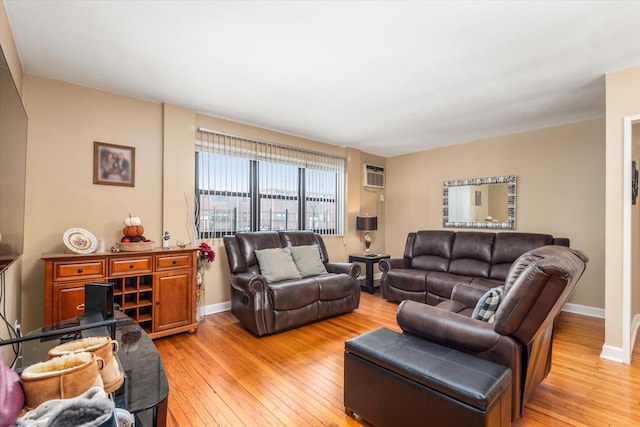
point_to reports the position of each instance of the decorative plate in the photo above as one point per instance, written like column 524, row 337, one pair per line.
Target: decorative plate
column 80, row 241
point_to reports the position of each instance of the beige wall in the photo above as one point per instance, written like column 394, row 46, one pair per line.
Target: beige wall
column 560, row 189
column 64, row 121
column 622, row 99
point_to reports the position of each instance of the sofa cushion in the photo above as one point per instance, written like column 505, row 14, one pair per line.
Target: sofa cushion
column 488, row 304
column 307, row 260
column 334, row 286
column 471, row 255
column 277, row 264
column 485, row 283
column 507, row 247
column 432, row 250
column 408, row 279
column 294, row 294
column 443, row 284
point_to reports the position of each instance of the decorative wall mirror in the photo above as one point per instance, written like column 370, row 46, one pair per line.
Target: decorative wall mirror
column 480, row 203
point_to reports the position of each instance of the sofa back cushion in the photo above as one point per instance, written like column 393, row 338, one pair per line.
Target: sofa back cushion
column 249, row 242
column 304, row 238
column 471, row 255
column 430, row 250
column 507, row 247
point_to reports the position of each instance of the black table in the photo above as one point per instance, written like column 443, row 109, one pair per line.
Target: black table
column 369, row 261
column 145, row 389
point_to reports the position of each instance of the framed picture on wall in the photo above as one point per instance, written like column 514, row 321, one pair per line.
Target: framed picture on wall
column 114, row 164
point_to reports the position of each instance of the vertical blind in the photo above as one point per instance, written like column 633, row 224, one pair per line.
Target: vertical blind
column 244, row 184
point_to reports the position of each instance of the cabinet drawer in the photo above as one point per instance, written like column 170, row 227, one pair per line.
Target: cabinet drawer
column 63, row 271
column 127, row 266
column 168, row 262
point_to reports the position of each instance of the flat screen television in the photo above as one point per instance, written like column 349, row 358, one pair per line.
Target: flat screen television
column 13, row 165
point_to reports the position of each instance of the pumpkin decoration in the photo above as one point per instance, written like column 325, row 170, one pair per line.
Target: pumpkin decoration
column 133, row 239
column 133, row 230
column 132, row 220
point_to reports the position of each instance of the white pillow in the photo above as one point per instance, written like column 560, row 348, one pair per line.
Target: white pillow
column 277, row 264
column 308, row 261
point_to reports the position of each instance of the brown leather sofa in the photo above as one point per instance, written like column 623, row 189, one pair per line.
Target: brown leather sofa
column 266, row 307
column 521, row 333
column 440, row 264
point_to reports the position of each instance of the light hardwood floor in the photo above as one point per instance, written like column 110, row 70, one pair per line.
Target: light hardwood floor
column 223, row 375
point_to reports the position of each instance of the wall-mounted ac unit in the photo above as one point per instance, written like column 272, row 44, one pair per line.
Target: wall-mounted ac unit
column 373, row 176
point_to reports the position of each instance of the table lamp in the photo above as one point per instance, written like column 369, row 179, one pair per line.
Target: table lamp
column 366, row 224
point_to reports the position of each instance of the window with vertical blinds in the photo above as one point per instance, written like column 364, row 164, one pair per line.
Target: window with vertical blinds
column 244, row 184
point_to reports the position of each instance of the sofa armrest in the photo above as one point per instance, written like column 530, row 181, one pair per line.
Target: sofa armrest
column 349, row 268
column 446, row 327
column 387, row 264
column 249, row 283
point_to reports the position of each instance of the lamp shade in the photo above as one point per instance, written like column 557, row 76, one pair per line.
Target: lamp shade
column 367, row 223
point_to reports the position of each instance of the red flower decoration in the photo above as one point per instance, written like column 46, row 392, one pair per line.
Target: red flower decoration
column 206, row 253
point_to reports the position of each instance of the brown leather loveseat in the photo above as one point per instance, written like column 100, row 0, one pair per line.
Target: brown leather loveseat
column 440, row 264
column 266, row 302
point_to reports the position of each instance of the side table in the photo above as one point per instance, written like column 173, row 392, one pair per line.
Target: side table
column 369, row 261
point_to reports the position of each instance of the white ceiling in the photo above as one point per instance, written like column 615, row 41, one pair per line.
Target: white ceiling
column 388, row 78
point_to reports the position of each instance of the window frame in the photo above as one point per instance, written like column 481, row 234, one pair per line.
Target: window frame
column 255, row 198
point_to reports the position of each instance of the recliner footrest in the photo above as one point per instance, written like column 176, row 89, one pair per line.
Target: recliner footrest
column 399, row 379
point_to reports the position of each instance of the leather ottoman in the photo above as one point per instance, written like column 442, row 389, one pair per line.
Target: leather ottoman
column 394, row 379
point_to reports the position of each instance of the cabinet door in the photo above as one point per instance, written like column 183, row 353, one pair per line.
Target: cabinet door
column 173, row 294
column 68, row 301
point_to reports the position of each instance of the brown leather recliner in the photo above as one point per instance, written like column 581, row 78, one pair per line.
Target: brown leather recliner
column 266, row 307
column 521, row 334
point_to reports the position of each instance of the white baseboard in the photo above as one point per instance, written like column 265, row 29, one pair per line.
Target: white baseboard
column 217, row 308
column 585, row 310
column 615, row 354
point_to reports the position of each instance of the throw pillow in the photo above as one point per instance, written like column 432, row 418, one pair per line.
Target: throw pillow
column 308, row 261
column 277, row 264
column 488, row 304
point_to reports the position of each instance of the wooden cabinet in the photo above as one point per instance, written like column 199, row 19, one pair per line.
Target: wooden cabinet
column 156, row 288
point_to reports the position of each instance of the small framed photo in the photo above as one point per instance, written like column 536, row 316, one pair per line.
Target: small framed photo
column 114, row 164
